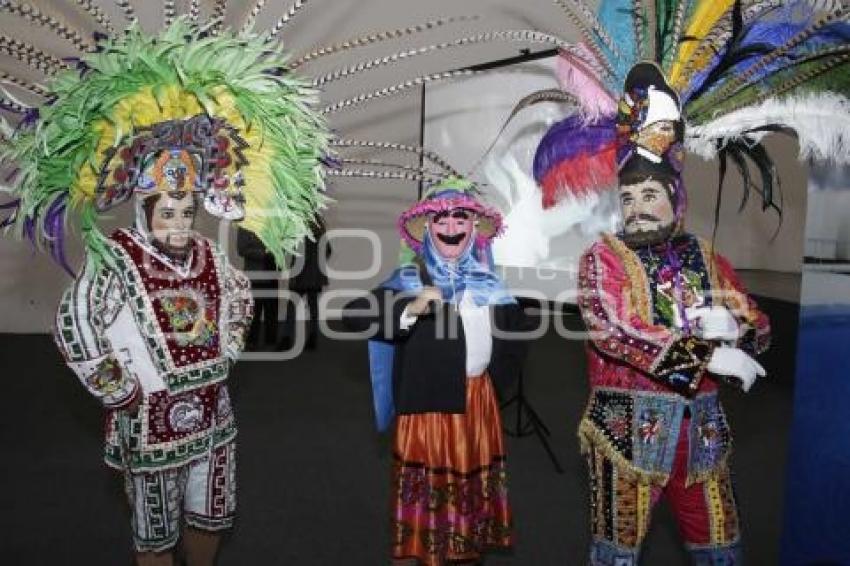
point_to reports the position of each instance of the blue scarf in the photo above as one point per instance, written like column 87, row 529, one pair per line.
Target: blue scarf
column 453, row 278
column 465, row 275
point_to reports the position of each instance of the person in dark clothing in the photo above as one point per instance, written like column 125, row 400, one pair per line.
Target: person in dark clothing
column 259, row 260
column 439, row 357
column 308, row 281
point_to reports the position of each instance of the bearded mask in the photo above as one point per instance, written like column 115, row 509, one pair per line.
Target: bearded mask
column 649, row 214
column 167, row 220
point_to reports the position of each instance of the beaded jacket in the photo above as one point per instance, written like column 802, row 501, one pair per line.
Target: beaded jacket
column 144, row 329
column 646, row 365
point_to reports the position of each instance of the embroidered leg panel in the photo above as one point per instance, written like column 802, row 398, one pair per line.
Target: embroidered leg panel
column 621, row 506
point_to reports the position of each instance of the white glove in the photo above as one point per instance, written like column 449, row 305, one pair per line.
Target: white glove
column 735, row 362
column 713, row 323
column 407, row 320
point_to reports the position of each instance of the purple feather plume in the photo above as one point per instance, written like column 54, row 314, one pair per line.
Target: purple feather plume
column 330, row 161
column 29, row 230
column 569, row 138
column 54, row 232
column 29, row 120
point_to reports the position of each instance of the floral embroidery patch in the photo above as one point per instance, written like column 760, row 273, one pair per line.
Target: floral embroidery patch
column 656, row 431
column 106, row 378
column 611, row 412
column 691, row 292
column 650, row 423
column 710, row 435
column 617, row 421
column 709, row 432
column 678, row 279
column 189, row 322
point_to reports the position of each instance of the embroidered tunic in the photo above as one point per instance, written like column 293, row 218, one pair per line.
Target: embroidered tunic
column 143, row 327
column 646, row 367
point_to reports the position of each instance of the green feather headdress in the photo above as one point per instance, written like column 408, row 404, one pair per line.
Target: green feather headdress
column 250, row 119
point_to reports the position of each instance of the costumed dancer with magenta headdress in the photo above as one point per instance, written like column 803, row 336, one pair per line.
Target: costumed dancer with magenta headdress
column 669, row 319
column 669, row 322
column 439, row 354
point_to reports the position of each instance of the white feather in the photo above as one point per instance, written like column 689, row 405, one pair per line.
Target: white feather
column 536, row 237
column 822, row 123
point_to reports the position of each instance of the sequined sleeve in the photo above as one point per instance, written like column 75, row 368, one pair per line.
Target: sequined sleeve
column 238, row 305
column 88, row 307
column 755, row 325
column 618, row 330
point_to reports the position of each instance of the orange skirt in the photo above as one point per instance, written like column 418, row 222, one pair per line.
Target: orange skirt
column 450, row 496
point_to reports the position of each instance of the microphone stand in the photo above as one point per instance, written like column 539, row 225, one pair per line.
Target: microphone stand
column 529, row 422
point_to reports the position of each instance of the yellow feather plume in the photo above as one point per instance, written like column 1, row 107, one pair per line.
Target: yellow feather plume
column 703, row 20
column 145, row 109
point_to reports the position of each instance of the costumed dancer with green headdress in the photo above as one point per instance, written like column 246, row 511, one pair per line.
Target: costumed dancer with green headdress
column 157, row 316
column 437, row 360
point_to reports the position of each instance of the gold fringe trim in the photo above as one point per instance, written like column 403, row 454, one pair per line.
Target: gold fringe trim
column 590, row 436
column 715, row 510
column 732, row 298
column 644, row 505
column 637, row 280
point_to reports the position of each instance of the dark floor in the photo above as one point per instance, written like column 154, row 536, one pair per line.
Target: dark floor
column 314, row 475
